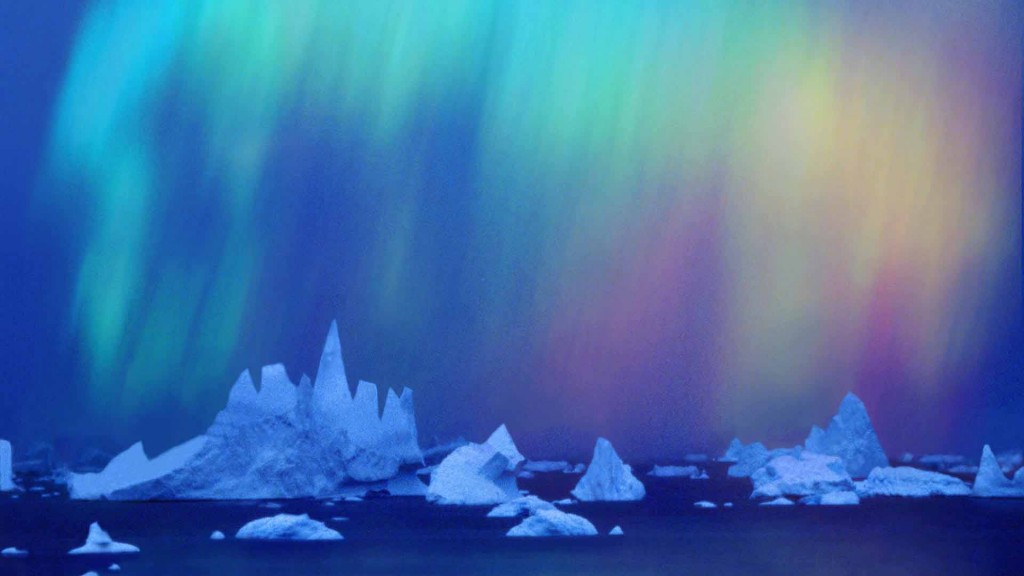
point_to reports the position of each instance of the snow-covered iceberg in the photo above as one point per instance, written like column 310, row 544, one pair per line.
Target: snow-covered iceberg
column 851, row 437
column 99, row 542
column 6, row 467
column 287, row 527
column 691, row 472
column 910, row 483
column 283, row 441
column 801, row 474
column 478, row 474
column 608, row 478
column 520, row 506
column 553, row 523
column 992, row 483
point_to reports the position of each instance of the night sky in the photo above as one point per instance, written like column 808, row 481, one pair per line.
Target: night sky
column 667, row 223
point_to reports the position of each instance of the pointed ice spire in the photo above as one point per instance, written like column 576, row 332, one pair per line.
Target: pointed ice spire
column 243, row 394
column 501, row 440
column 851, row 437
column 992, row 483
column 331, row 393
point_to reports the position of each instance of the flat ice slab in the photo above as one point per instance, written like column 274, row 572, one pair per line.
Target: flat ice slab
column 675, row 472
column 99, row 542
column 608, row 478
column 910, row 482
column 553, row 523
column 287, row 527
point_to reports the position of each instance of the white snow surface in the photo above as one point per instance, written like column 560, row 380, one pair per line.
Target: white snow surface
column 851, row 437
column 523, row 505
column 99, row 542
column 675, row 472
column 991, row 482
column 477, row 474
column 283, row 441
column 910, row 483
column 802, row 474
column 608, row 478
column 6, row 467
column 287, row 527
column 553, row 523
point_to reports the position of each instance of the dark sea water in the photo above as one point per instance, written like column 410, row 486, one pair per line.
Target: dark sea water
column 664, row 534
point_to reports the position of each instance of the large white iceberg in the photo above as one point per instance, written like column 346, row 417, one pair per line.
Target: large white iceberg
column 992, row 483
column 910, row 483
column 851, row 437
column 6, row 467
column 608, row 477
column 287, row 527
column 553, row 523
column 99, row 542
column 283, row 441
column 801, row 474
column 478, row 474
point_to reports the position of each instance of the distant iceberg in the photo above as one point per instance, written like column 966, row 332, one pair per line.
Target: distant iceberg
column 287, row 527
column 843, row 498
column 608, row 478
column 6, row 467
column 691, row 472
column 99, row 542
column 478, row 474
column 13, row 552
column 525, row 505
column 851, row 437
column 910, row 483
column 284, row 441
column 217, row 535
column 546, row 466
column 616, row 531
column 803, row 474
column 546, row 523
column 991, row 482
column 780, row 501
column 705, row 504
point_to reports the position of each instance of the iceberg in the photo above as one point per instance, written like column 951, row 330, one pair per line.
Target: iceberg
column 705, row 504
column 114, row 568
column 99, row 542
column 802, row 474
column 843, row 498
column 525, row 505
column 553, row 523
column 6, row 467
column 732, row 452
column 753, row 457
column 910, row 483
column 608, row 478
column 851, row 437
column 217, row 535
column 992, row 483
column 478, row 474
column 13, row 552
column 780, row 501
column 546, row 466
column 565, row 502
column 691, row 472
column 616, row 531
column 283, row 441
column 287, row 527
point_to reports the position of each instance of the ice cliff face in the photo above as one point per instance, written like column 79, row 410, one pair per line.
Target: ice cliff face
column 851, row 437
column 282, row 441
column 991, row 482
column 608, row 478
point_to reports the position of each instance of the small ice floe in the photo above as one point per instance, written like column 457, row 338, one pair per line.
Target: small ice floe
column 329, row 503
column 608, row 478
column 841, row 498
column 553, row 523
column 37, row 489
column 780, row 501
column 353, row 499
column 217, row 535
column 13, row 552
column 616, row 531
column 272, row 505
column 339, row 519
column 565, row 502
column 675, row 472
column 91, row 573
column 114, row 568
column 99, row 542
column 727, row 505
column 705, row 504
column 520, row 506
column 287, row 527
column 910, row 482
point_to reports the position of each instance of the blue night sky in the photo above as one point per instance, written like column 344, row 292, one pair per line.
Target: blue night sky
column 668, row 224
